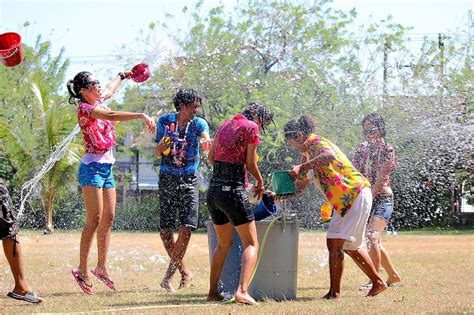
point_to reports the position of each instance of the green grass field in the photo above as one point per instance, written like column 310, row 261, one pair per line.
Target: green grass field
column 437, row 271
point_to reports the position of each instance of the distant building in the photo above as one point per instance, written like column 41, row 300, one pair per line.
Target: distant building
column 143, row 171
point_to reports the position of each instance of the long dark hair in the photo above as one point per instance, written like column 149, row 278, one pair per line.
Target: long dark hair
column 262, row 112
column 305, row 124
column 74, row 86
column 377, row 121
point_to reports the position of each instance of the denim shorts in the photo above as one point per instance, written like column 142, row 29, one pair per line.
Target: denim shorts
column 95, row 174
column 382, row 207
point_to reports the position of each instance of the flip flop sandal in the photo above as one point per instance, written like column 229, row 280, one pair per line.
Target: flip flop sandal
column 30, row 297
column 105, row 280
column 366, row 287
column 87, row 288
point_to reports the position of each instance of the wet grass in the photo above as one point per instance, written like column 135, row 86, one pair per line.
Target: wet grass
column 436, row 269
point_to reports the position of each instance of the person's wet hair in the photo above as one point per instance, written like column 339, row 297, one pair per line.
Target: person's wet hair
column 186, row 97
column 375, row 120
column 305, row 124
column 74, row 86
column 263, row 113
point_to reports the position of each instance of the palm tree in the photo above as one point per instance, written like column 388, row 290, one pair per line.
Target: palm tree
column 34, row 118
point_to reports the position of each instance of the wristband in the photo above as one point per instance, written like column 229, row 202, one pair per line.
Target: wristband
column 122, row 76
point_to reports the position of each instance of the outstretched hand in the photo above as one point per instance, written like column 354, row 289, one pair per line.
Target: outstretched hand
column 150, row 123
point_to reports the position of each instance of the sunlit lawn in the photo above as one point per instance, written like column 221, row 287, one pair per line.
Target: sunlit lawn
column 437, row 271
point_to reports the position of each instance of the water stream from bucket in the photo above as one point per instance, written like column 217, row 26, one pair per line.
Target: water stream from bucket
column 59, row 150
column 58, row 153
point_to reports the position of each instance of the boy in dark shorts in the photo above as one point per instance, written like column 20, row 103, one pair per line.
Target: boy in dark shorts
column 9, row 228
column 178, row 187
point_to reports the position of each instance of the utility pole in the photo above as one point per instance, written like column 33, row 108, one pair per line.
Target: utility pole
column 470, row 28
column 386, row 48
column 441, row 54
column 441, row 61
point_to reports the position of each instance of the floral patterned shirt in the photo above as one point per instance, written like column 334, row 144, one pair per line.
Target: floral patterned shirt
column 374, row 158
column 339, row 181
column 98, row 134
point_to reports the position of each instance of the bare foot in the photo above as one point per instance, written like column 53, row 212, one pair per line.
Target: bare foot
column 185, row 282
column 366, row 287
column 331, row 296
column 214, row 297
column 166, row 284
column 395, row 278
column 245, row 298
column 377, row 287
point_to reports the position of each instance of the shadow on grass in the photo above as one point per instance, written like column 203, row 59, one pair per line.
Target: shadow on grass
column 312, row 288
column 197, row 299
column 160, row 292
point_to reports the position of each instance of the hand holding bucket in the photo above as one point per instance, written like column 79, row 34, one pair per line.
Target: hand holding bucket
column 11, row 52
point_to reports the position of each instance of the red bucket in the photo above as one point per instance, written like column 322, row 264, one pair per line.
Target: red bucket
column 140, row 73
column 10, row 49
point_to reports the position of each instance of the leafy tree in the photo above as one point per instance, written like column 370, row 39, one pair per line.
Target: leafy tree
column 34, row 117
column 305, row 57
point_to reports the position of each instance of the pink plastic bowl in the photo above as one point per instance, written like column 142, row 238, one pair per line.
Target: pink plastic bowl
column 140, row 73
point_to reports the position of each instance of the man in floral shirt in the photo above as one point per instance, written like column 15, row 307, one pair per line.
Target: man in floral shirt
column 349, row 200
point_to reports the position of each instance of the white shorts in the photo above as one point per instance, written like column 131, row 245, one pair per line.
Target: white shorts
column 351, row 227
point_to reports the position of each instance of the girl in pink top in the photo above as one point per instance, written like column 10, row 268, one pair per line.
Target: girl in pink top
column 233, row 153
column 97, row 123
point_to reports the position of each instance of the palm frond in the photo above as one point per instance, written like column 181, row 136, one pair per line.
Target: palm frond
column 14, row 148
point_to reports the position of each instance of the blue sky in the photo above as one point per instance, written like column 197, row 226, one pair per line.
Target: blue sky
column 92, row 30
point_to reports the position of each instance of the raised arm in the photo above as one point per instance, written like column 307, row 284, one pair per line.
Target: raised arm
column 110, row 89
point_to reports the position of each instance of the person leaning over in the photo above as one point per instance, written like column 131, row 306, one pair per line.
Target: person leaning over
column 233, row 154
column 348, row 198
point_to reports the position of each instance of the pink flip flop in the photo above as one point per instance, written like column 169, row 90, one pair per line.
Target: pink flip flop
column 105, row 280
column 87, row 288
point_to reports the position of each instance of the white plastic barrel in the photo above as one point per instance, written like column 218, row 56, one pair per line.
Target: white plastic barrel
column 277, row 270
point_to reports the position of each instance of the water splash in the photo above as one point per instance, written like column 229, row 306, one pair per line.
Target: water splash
column 58, row 153
column 152, row 59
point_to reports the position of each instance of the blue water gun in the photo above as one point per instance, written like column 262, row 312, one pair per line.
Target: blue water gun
column 170, row 136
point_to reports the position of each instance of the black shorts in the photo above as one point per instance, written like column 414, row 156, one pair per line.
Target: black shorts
column 227, row 202
column 178, row 193
column 9, row 226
